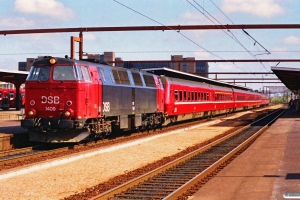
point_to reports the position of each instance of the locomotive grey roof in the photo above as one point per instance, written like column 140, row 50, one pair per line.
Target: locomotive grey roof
column 183, row 75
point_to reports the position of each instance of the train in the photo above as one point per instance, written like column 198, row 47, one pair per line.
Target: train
column 70, row 100
column 8, row 96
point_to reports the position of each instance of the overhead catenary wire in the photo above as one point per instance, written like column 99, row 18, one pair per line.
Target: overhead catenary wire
column 242, row 29
column 177, row 32
column 221, row 25
column 268, row 52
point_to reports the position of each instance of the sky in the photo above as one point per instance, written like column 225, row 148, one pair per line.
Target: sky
column 155, row 45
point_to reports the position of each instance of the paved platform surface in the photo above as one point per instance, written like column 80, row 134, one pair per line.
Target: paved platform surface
column 268, row 169
column 12, row 135
column 10, row 115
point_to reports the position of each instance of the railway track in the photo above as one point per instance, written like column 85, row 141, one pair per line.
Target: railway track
column 25, row 156
column 178, row 179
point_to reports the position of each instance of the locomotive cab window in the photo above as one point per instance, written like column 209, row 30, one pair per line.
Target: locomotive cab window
column 86, row 74
column 39, row 73
column 101, row 74
column 63, row 73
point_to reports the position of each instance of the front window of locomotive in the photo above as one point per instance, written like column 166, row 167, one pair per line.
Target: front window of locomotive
column 66, row 73
column 39, row 73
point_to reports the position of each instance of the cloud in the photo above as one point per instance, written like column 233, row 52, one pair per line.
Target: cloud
column 89, row 37
column 16, row 23
column 279, row 49
column 193, row 18
column 201, row 54
column 49, row 8
column 226, row 67
column 292, row 40
column 260, row 8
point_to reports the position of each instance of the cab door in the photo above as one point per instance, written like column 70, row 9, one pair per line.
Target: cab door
column 159, row 94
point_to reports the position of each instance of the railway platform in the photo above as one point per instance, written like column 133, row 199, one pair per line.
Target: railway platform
column 12, row 135
column 268, row 169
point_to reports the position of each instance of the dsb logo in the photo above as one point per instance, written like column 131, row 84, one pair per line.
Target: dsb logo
column 50, row 99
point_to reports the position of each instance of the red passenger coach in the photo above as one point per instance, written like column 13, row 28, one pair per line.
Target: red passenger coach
column 188, row 96
column 8, row 96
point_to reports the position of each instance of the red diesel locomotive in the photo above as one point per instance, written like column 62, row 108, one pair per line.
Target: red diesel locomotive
column 69, row 100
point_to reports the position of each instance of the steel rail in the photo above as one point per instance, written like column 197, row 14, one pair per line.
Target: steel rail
column 15, row 151
column 112, row 192
column 174, row 195
column 31, row 156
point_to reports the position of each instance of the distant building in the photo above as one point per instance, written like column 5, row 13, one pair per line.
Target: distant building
column 187, row 64
column 109, row 57
column 142, row 65
column 202, row 67
column 184, row 64
column 22, row 66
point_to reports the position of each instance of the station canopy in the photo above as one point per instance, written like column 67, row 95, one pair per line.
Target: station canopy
column 13, row 76
column 290, row 77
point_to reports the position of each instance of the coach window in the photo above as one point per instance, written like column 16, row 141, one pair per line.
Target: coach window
column 184, row 95
column 180, row 95
column 176, row 95
column 124, row 77
column 11, row 95
column 116, row 76
column 137, row 79
column 149, row 81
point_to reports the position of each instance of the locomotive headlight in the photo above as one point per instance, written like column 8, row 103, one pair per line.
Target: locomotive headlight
column 67, row 113
column 52, row 61
column 31, row 113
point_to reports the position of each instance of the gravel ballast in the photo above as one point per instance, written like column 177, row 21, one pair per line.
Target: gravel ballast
column 63, row 180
